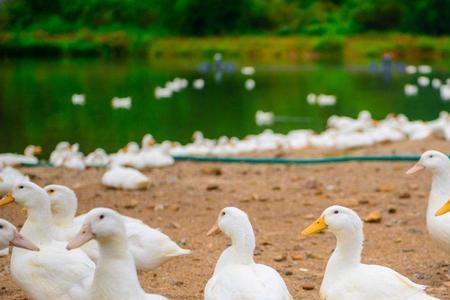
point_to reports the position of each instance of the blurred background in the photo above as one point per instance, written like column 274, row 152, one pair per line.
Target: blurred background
column 63, row 63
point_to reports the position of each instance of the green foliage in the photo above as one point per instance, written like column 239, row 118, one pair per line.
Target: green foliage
column 219, row 17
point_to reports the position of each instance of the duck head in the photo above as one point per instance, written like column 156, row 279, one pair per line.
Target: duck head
column 336, row 219
column 32, row 150
column 27, row 194
column 9, row 236
column 229, row 221
column 101, row 224
column 63, row 202
column 432, row 160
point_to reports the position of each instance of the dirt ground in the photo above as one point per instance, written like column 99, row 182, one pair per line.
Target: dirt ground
column 281, row 200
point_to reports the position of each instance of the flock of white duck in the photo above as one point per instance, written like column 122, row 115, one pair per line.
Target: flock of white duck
column 58, row 255
column 412, row 89
column 123, row 166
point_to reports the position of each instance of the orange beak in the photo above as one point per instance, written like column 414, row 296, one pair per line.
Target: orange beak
column 21, row 242
column 84, row 236
column 416, row 168
column 214, row 230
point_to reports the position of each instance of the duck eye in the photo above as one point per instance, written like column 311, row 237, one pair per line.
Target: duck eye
column 1, row 226
column 431, row 155
column 101, row 217
column 51, row 191
column 223, row 213
column 336, row 212
column 21, row 187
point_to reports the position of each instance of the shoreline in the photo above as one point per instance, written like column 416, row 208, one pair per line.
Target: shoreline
column 265, row 48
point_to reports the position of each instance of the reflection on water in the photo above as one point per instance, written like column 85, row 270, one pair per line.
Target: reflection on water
column 36, row 107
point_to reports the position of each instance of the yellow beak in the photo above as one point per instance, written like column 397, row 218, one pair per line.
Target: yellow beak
column 318, row 226
column 7, row 199
column 444, row 209
column 37, row 150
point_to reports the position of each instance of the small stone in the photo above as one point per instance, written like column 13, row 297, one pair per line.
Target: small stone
column 404, row 195
column 373, row 217
column 159, row 207
column 386, row 188
column 297, row 257
column 212, row 171
column 132, row 204
column 174, row 225
column 288, row 273
column 212, row 187
column 279, row 258
column 308, row 287
column 392, row 210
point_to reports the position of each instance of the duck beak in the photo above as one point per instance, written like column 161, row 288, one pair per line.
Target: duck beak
column 443, row 210
column 318, row 226
column 7, row 199
column 416, row 168
column 21, row 242
column 84, row 236
column 37, row 150
column 214, row 230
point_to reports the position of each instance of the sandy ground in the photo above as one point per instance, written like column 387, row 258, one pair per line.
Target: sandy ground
column 281, row 200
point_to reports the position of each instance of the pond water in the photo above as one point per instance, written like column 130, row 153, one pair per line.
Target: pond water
column 36, row 108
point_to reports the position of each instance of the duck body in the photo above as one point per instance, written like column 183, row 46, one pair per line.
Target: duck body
column 106, row 226
column 13, row 159
column 149, row 247
column 53, row 272
column 125, row 178
column 236, row 275
column 371, row 282
column 246, row 282
column 439, row 165
column 346, row 278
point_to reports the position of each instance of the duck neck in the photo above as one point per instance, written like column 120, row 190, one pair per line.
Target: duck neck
column 241, row 249
column 63, row 221
column 348, row 251
column 38, row 225
column 112, row 248
column 110, row 284
column 440, row 192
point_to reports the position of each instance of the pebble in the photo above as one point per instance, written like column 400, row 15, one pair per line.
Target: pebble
column 297, row 257
column 159, row 207
column 404, row 195
column 212, row 187
column 373, row 217
column 212, row 171
column 132, row 204
column 279, row 258
column 308, row 287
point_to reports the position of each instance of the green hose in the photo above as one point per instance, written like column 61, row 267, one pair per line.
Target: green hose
column 280, row 160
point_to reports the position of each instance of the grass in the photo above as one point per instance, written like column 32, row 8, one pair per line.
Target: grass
column 263, row 48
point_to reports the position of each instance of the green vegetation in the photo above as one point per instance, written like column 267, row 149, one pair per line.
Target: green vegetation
column 123, row 27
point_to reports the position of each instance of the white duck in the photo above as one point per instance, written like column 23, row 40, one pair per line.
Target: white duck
column 98, row 158
column 236, row 275
column 53, row 272
column 125, row 178
column 115, row 277
column 346, row 278
column 154, row 156
column 439, row 166
column 150, row 247
column 9, row 177
column 12, row 159
column 9, row 236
